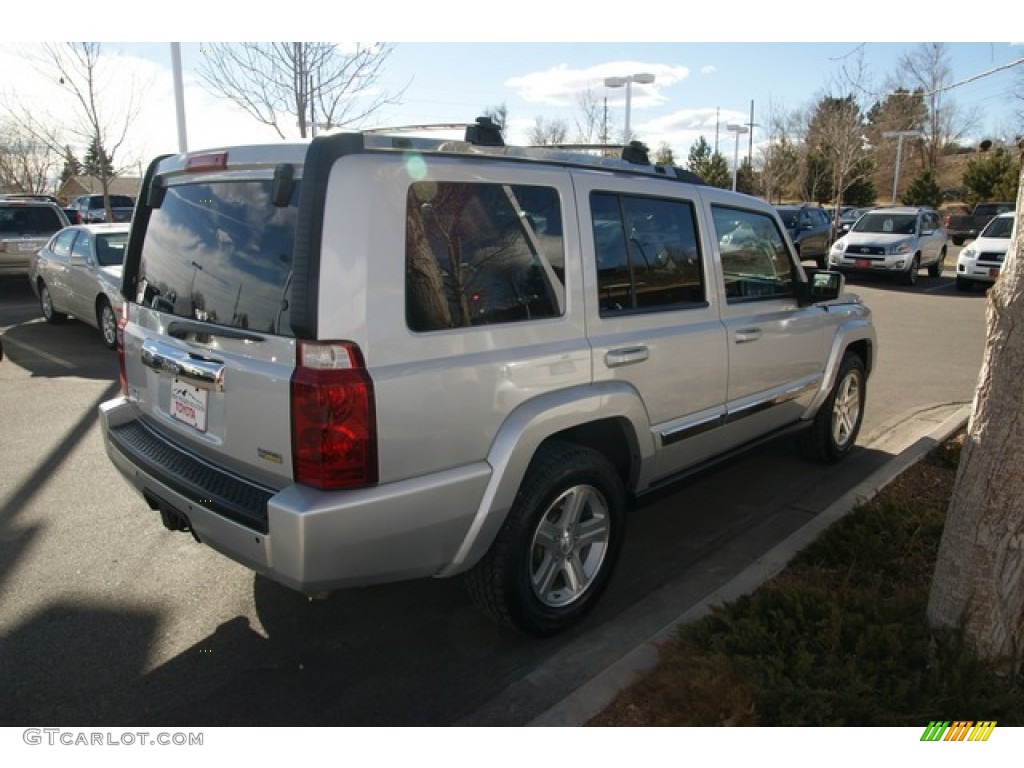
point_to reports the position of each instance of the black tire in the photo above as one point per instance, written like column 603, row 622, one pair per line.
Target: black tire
column 958, row 241
column 106, row 320
column 50, row 315
column 935, row 270
column 964, row 285
column 541, row 575
column 834, row 432
column 910, row 276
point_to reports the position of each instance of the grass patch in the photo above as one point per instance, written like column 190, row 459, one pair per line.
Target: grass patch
column 838, row 638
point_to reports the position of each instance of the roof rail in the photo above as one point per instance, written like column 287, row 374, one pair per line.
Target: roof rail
column 483, row 137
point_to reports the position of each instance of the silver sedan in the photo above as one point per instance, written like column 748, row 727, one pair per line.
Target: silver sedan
column 78, row 273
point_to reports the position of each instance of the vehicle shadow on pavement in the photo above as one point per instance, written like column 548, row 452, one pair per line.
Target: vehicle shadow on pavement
column 414, row 654
column 70, row 349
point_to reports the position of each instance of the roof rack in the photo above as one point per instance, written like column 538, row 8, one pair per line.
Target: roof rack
column 484, row 137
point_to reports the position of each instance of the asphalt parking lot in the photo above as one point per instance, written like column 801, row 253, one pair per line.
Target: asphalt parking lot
column 108, row 619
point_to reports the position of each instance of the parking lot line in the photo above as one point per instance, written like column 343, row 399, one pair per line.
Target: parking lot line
column 41, row 353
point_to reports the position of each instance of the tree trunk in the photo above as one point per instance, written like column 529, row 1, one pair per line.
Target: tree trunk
column 979, row 577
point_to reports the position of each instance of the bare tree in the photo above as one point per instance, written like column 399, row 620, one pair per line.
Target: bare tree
column 780, row 155
column 314, row 85
column 548, row 131
column 99, row 119
column 926, row 69
column 978, row 587
column 590, row 127
column 29, row 158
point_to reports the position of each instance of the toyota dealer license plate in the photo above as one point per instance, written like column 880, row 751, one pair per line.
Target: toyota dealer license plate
column 188, row 404
column 862, row 263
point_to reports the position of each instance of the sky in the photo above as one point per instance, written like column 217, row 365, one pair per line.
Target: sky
column 437, row 76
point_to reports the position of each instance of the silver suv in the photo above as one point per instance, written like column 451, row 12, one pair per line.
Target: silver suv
column 368, row 358
column 25, row 226
column 895, row 241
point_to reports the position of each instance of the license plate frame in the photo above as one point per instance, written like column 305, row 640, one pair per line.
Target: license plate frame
column 862, row 263
column 189, row 404
column 993, row 271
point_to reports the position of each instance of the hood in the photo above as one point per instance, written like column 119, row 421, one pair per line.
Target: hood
column 875, row 238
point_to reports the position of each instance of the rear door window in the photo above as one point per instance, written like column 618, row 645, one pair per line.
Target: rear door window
column 647, row 254
column 221, row 253
column 482, row 254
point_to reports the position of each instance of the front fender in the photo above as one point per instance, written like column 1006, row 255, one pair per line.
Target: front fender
column 522, row 433
column 857, row 329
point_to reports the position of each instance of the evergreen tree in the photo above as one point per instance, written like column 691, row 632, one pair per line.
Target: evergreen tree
column 991, row 176
column 71, row 166
column 923, row 190
column 710, row 166
column 97, row 162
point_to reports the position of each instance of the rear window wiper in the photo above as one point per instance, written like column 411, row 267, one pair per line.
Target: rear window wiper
column 179, row 329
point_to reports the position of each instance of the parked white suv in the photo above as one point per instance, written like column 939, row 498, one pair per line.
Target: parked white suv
column 896, row 241
column 981, row 262
column 368, row 358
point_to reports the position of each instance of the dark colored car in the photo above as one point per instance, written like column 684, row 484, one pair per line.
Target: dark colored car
column 810, row 229
column 91, row 210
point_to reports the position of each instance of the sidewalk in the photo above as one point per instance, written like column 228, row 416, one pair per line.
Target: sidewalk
column 907, row 443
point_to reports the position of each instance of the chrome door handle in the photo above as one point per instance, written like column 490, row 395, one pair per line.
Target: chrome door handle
column 747, row 335
column 196, row 370
column 625, row 356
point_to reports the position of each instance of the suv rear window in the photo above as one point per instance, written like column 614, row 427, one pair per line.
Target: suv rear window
column 116, row 201
column 29, row 220
column 479, row 254
column 221, row 253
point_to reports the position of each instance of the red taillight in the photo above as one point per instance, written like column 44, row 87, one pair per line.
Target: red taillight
column 121, row 370
column 334, row 425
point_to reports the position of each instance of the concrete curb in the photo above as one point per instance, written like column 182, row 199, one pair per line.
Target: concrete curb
column 596, row 694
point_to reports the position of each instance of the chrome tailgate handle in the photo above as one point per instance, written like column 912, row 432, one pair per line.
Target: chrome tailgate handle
column 196, row 370
column 625, row 356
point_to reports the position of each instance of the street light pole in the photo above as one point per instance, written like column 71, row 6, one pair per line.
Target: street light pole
column 898, row 135
column 739, row 130
column 642, row 78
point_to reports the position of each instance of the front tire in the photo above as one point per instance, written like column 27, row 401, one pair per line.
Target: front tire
column 556, row 551
column 836, row 426
column 50, row 314
column 910, row 277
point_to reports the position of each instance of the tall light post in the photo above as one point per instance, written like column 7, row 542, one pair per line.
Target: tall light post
column 641, row 78
column 899, row 135
column 739, row 130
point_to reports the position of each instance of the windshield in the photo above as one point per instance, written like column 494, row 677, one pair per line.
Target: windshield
column 110, row 248
column 999, row 227
column 221, row 253
column 887, row 223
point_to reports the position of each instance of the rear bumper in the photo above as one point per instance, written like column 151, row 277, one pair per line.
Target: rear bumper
column 307, row 539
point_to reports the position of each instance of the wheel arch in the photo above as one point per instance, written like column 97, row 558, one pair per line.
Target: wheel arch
column 608, row 417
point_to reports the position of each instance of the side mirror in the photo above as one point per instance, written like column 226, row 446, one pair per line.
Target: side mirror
column 826, row 286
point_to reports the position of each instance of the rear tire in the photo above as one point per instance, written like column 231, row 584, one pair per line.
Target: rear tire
column 46, row 306
column 935, row 270
column 556, row 551
column 836, row 426
column 106, row 319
